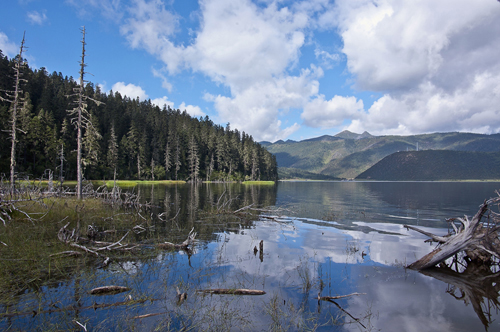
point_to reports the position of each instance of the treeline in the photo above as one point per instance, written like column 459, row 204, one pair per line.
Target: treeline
column 135, row 139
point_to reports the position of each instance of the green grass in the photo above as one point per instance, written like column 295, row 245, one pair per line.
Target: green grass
column 259, row 182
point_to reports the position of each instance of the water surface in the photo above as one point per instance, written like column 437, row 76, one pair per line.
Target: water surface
column 331, row 238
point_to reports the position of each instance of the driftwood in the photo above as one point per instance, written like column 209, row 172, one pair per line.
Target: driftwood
column 191, row 239
column 238, row 291
column 109, row 290
column 476, row 237
column 149, row 315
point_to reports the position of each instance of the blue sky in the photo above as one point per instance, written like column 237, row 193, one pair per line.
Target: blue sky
column 281, row 69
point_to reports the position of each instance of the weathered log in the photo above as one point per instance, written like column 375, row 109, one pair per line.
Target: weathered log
column 238, row 291
column 478, row 240
column 109, row 290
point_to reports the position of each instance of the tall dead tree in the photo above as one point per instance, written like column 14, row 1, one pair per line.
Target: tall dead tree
column 81, row 117
column 13, row 97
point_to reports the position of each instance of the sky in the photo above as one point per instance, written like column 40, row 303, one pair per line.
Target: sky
column 279, row 69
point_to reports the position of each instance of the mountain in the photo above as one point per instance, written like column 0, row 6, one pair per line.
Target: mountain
column 347, row 154
column 346, row 134
column 435, row 165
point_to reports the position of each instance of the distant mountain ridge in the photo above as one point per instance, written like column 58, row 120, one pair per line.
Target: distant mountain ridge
column 347, row 154
column 431, row 165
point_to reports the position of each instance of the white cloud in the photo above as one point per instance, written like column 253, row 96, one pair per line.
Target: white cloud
column 8, row 48
column 245, row 46
column 160, row 102
column 130, row 90
column 255, row 110
column 436, row 62
column 37, row 18
column 321, row 113
column 194, row 111
column 164, row 82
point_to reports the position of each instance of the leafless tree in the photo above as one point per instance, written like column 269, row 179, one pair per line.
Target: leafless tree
column 15, row 99
column 80, row 116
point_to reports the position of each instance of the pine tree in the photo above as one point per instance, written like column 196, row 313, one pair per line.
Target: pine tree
column 194, row 161
column 168, row 162
column 91, row 143
column 112, row 156
column 177, row 162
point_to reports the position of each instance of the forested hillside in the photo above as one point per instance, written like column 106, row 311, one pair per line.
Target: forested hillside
column 346, row 155
column 141, row 140
column 432, row 165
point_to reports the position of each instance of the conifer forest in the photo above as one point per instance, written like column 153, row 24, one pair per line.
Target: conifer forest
column 123, row 138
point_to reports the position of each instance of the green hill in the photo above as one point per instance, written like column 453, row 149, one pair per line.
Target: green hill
column 434, row 165
column 346, row 155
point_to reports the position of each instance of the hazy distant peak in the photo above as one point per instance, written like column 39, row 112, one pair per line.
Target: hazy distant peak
column 346, row 134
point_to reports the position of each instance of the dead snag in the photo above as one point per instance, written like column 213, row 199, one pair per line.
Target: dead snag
column 477, row 238
column 238, row 291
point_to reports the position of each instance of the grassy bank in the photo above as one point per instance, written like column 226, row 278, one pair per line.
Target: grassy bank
column 260, row 182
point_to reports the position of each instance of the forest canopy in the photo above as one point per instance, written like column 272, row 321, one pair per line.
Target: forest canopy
column 136, row 138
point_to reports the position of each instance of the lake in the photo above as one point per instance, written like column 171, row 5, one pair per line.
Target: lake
column 327, row 238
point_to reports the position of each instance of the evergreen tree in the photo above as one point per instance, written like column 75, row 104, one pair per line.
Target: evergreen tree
column 112, row 156
column 194, row 161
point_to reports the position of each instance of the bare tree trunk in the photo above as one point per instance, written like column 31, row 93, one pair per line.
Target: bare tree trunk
column 15, row 102
column 79, row 122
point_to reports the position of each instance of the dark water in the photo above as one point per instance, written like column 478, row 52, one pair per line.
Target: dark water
column 332, row 238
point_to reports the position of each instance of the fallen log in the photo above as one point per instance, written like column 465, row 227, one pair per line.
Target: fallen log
column 477, row 238
column 109, row 290
column 238, row 291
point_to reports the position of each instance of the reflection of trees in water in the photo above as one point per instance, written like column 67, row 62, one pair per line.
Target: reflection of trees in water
column 477, row 285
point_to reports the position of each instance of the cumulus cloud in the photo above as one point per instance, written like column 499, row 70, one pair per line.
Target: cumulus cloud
column 242, row 45
column 194, row 111
column 130, row 90
column 435, row 62
column 163, row 101
column 321, row 113
column 37, row 18
column 8, row 48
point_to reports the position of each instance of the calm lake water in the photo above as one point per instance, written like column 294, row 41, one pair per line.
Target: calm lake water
column 328, row 238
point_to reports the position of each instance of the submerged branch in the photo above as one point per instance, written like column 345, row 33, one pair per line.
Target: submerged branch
column 238, row 291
